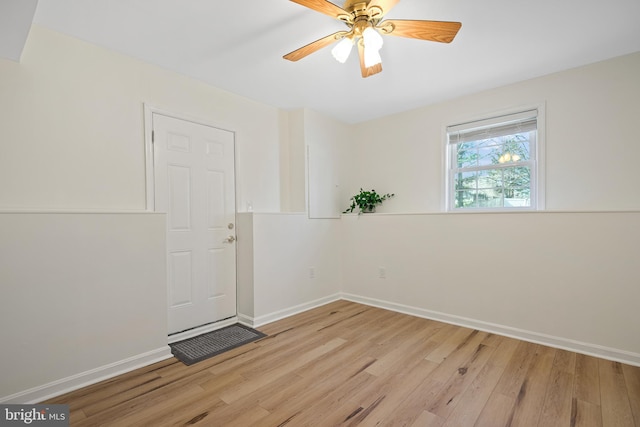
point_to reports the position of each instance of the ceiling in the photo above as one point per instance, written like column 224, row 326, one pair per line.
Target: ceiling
column 238, row 46
column 15, row 23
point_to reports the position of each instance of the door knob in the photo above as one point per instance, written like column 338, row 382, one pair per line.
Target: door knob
column 229, row 239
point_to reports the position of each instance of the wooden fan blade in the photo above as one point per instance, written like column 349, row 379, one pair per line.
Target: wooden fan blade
column 313, row 46
column 436, row 31
column 367, row 71
column 384, row 5
column 323, row 6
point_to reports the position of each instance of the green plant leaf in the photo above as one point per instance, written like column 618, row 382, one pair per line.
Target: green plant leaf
column 367, row 200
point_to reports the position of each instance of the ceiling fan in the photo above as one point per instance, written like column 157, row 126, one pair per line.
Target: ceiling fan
column 364, row 19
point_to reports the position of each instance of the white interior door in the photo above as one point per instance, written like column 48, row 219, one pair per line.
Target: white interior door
column 194, row 185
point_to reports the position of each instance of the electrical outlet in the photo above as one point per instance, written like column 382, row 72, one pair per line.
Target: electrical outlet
column 312, row 272
column 382, row 272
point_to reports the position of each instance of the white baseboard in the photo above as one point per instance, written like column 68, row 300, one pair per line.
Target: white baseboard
column 281, row 314
column 83, row 379
column 202, row 330
column 521, row 334
column 245, row 320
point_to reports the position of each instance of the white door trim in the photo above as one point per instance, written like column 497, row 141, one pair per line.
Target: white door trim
column 149, row 111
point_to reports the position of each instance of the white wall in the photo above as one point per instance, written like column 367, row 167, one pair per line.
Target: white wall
column 591, row 140
column 314, row 154
column 244, row 267
column 278, row 256
column 292, row 167
column 72, row 131
column 565, row 279
column 328, row 147
column 83, row 297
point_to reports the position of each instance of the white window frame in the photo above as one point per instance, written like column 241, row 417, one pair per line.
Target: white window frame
column 537, row 162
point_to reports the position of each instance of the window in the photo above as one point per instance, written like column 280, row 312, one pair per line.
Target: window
column 493, row 164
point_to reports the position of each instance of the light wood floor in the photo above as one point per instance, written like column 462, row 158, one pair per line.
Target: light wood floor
column 350, row 364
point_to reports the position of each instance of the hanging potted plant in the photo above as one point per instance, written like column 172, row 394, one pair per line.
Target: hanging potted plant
column 366, row 201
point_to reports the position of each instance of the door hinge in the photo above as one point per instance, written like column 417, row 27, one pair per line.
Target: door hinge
column 153, row 136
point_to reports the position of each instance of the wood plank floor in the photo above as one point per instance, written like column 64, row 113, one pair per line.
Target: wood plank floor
column 346, row 364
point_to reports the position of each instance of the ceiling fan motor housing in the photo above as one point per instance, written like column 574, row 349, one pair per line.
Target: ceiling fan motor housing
column 361, row 14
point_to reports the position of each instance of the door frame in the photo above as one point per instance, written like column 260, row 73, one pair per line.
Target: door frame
column 149, row 111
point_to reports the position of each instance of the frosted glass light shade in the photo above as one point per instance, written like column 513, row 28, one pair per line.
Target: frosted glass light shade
column 371, row 57
column 372, row 38
column 342, row 50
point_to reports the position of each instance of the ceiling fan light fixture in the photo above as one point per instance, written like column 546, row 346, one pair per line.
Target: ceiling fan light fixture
column 371, row 57
column 342, row 50
column 372, row 38
column 372, row 41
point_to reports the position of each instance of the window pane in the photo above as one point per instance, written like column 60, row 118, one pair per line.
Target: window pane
column 489, row 199
column 493, row 162
column 493, row 188
column 467, row 155
column 517, row 197
column 519, row 176
column 490, row 178
column 465, row 198
column 466, row 180
column 483, row 143
column 488, row 156
column 515, row 148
